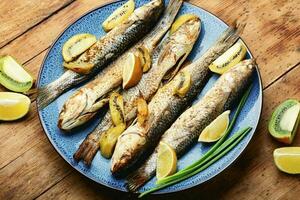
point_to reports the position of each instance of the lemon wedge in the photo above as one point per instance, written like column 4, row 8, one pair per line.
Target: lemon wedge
column 287, row 159
column 216, row 129
column 132, row 71
column 118, row 16
column 13, row 106
column 181, row 20
column 166, row 161
column 230, row 58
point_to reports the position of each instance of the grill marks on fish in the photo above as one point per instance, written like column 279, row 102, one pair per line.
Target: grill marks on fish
column 186, row 129
column 150, row 81
column 106, row 49
column 111, row 77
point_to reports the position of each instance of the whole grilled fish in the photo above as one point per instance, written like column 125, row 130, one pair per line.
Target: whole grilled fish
column 186, row 129
column 88, row 100
column 170, row 54
column 165, row 107
column 105, row 50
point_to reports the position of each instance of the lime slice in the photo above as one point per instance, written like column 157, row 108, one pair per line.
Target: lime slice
column 216, row 129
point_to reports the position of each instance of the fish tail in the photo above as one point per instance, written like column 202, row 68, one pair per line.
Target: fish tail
column 139, row 177
column 50, row 92
column 165, row 23
column 87, row 150
column 230, row 36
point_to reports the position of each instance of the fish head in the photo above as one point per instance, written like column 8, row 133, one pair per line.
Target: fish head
column 129, row 145
column 76, row 109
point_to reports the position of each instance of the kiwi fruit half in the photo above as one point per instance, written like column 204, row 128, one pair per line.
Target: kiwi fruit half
column 285, row 120
column 13, row 76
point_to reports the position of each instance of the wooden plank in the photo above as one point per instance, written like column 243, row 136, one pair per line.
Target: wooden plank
column 20, row 136
column 32, row 173
column 41, row 37
column 272, row 31
column 253, row 176
column 18, row 16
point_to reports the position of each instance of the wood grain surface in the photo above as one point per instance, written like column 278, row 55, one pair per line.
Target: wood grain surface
column 30, row 167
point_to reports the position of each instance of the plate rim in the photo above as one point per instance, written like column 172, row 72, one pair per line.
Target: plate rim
column 260, row 99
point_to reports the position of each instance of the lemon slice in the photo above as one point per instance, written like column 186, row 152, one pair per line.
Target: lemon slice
column 13, row 76
column 118, row 16
column 13, row 106
column 181, row 20
column 76, row 45
column 287, row 159
column 229, row 59
column 132, row 71
column 183, row 83
column 166, row 161
column 216, row 129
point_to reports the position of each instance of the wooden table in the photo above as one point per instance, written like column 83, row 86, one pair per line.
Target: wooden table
column 31, row 168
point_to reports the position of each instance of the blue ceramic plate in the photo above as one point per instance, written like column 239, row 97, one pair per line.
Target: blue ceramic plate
column 66, row 144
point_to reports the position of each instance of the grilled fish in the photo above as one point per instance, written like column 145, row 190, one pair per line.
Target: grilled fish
column 105, row 50
column 165, row 107
column 169, row 54
column 186, row 129
column 88, row 100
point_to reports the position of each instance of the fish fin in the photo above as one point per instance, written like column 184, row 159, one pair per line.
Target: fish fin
column 50, row 92
column 87, row 150
column 136, row 180
column 230, row 35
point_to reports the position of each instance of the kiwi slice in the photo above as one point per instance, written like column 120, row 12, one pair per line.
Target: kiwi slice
column 285, row 120
column 13, row 76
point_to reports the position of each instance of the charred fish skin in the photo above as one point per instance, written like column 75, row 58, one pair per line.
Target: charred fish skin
column 155, row 75
column 92, row 94
column 165, row 107
column 105, row 50
column 186, row 129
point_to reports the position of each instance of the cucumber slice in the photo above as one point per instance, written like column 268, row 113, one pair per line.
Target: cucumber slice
column 13, row 76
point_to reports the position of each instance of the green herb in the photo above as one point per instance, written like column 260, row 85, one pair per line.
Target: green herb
column 219, row 153
column 209, row 157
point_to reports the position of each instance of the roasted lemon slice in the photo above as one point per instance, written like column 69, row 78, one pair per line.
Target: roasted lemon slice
column 76, row 45
column 109, row 139
column 116, row 107
column 287, row 159
column 13, row 76
column 183, row 83
column 166, row 161
column 230, row 58
column 181, row 20
column 118, row 16
column 142, row 111
column 132, row 71
column 145, row 58
column 13, row 106
column 216, row 129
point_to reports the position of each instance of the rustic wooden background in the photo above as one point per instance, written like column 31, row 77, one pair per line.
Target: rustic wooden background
column 30, row 168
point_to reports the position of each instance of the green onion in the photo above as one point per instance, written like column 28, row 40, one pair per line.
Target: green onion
column 220, row 152
column 209, row 157
column 206, row 156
